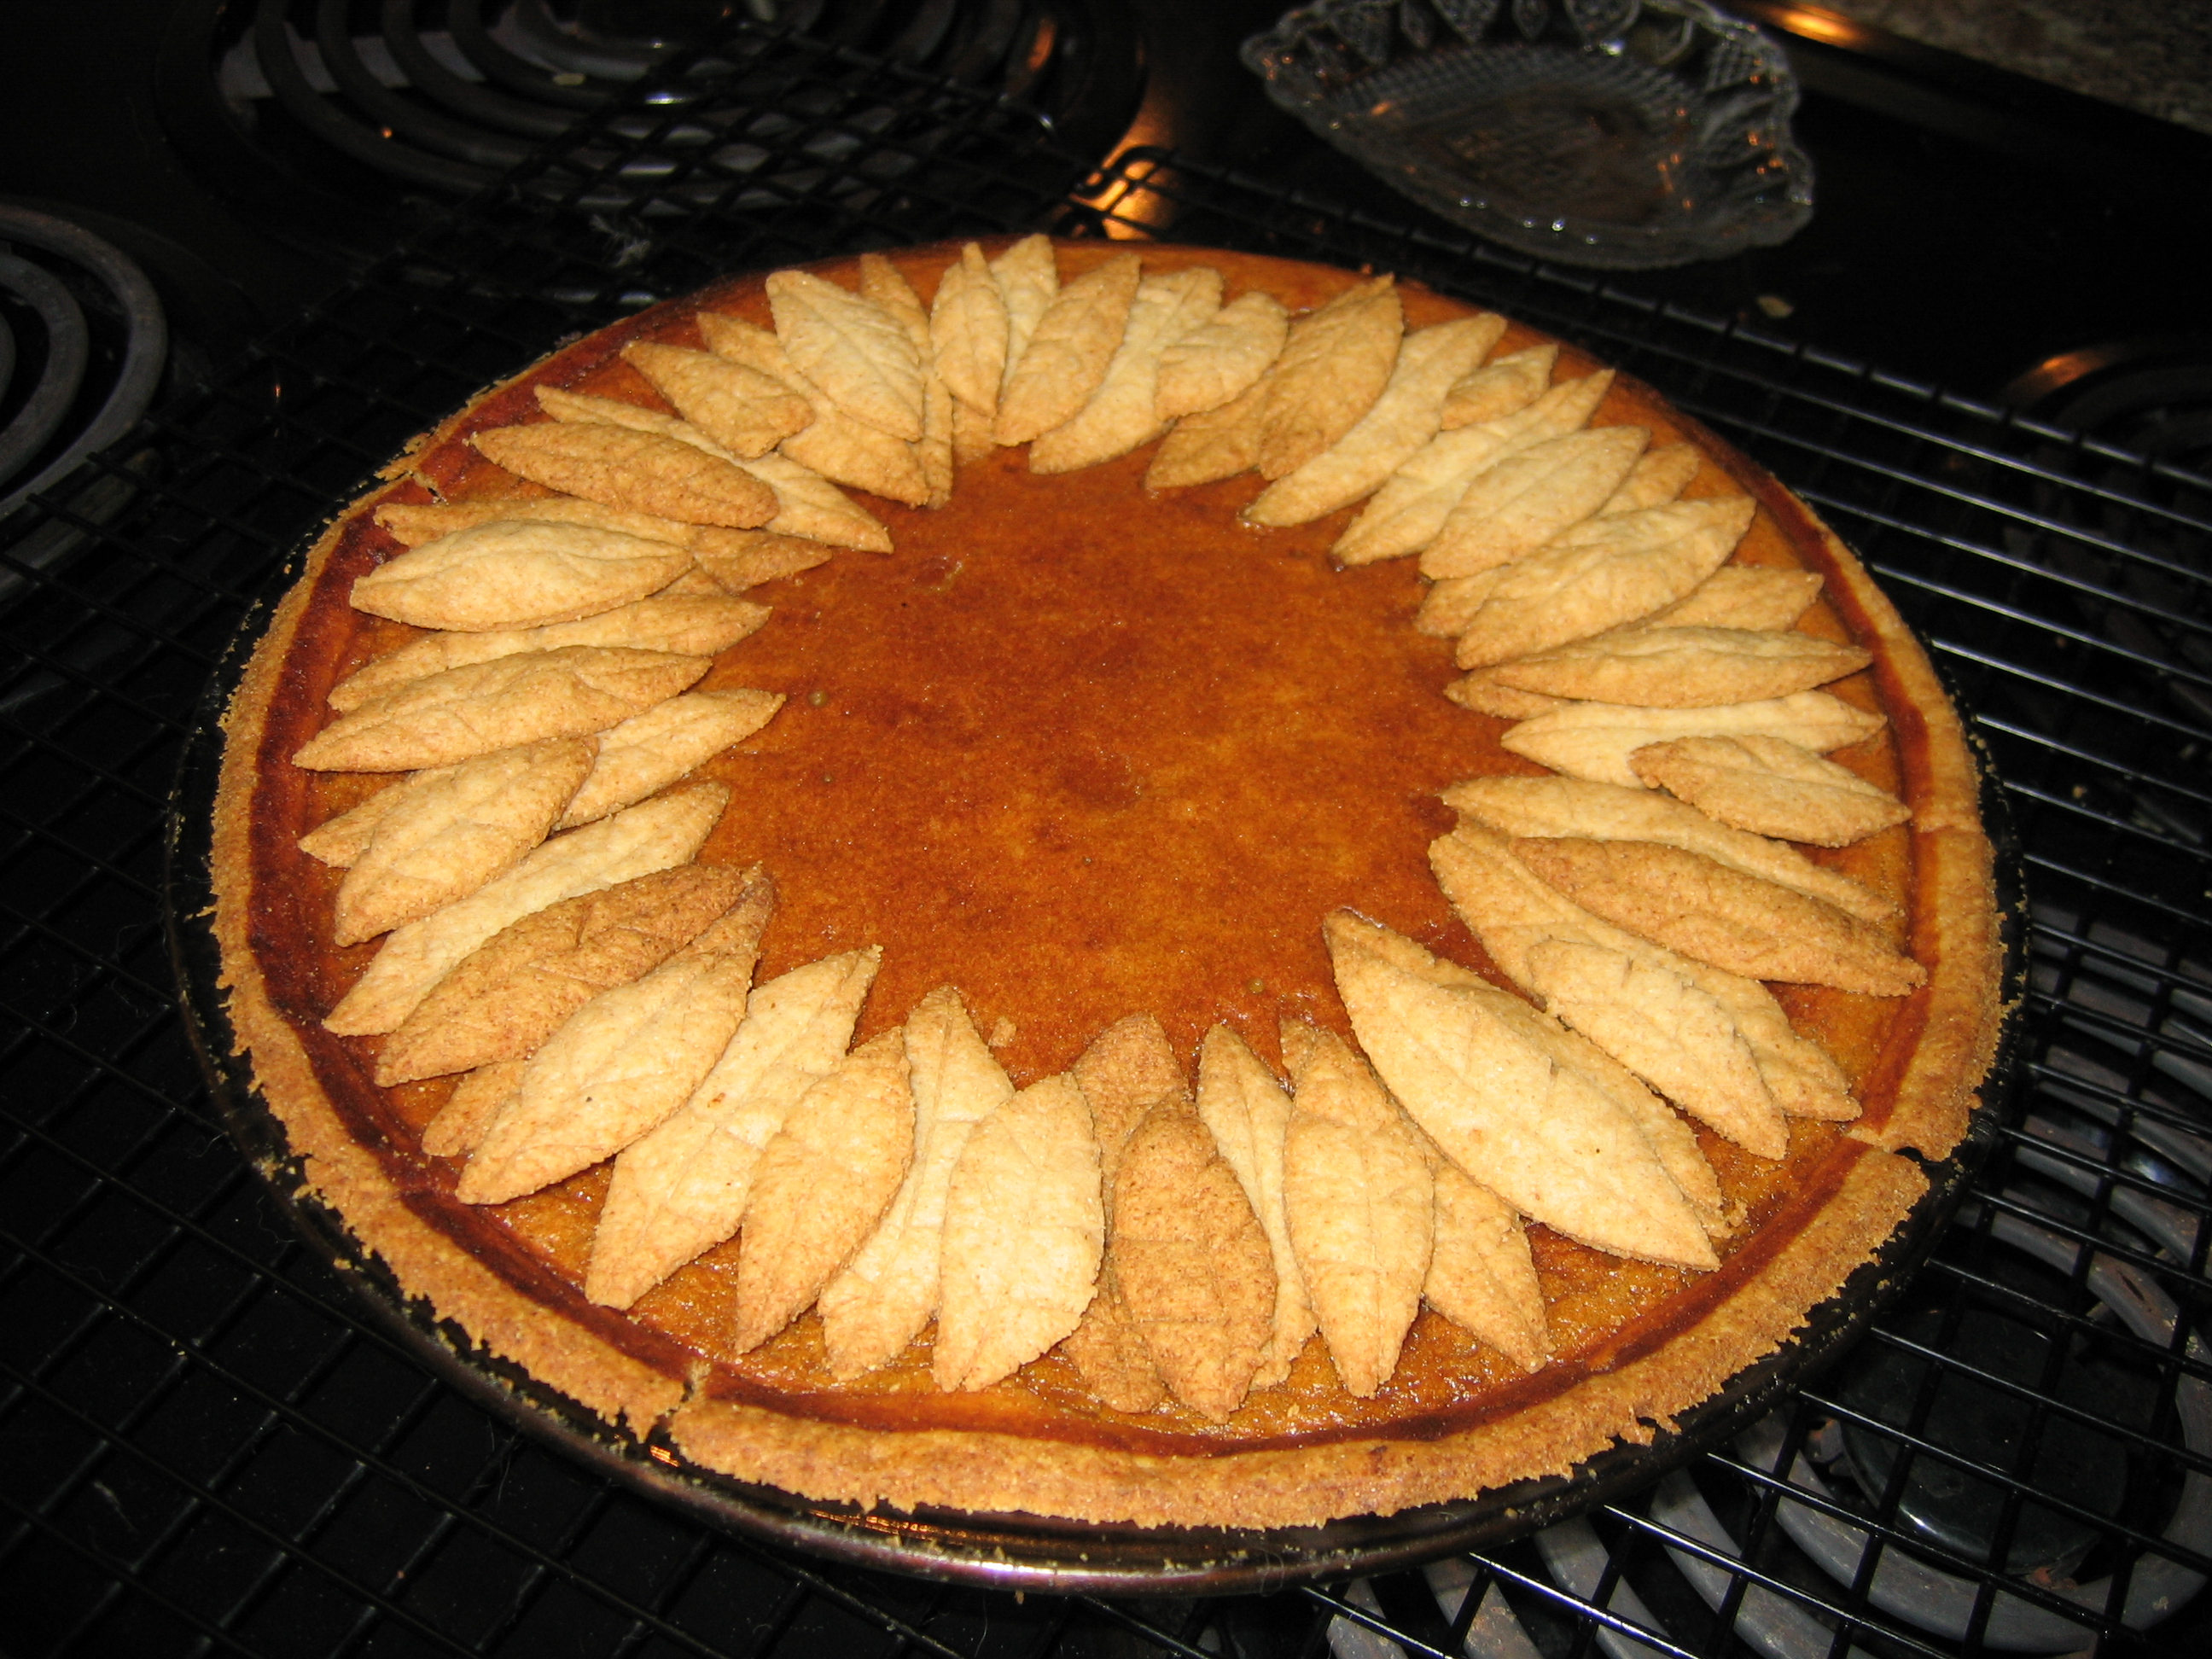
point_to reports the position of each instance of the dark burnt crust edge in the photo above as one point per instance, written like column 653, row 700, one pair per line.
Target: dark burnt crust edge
column 972, row 1471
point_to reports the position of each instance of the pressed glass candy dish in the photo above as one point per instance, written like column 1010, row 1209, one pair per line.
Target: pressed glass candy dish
column 1618, row 133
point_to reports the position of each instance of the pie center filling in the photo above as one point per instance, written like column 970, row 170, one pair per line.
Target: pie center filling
column 1084, row 754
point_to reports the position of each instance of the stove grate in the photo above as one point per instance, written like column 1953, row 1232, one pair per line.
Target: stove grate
column 210, row 1447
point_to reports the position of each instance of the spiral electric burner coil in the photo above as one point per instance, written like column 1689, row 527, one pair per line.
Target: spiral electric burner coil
column 83, row 343
column 322, row 107
column 209, row 1447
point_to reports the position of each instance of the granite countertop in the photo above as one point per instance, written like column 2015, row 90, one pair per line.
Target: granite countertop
column 2152, row 56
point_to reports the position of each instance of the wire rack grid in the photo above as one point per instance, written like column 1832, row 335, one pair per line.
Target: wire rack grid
column 208, row 1447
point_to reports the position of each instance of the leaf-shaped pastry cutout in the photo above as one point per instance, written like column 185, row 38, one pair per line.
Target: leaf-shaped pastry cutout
column 651, row 750
column 684, row 625
column 1666, row 1029
column 1250, row 1116
column 652, row 836
column 883, row 284
column 822, row 1185
column 833, row 445
column 637, row 472
column 1685, row 667
column 1067, row 353
column 1659, row 477
column 617, row 1066
column 1672, row 1139
column 514, row 991
column 1512, row 382
column 1028, row 277
column 1404, row 515
column 1769, row 787
column 682, row 1188
column 1601, row 573
column 1212, row 364
column 412, row 523
column 1191, row 1262
column 807, row 504
column 1450, row 606
column 447, row 832
column 588, row 408
column 745, row 411
column 742, row 559
column 968, row 330
column 1220, row 443
column 1528, row 498
column 469, row 1110
column 1742, row 596
column 1128, row 1070
column 934, row 451
column 858, row 354
column 882, row 281
column 1024, row 1230
column 884, row 1296
column 340, row 841
column 1485, row 696
column 1510, row 910
column 1594, row 740
column 1119, row 415
column 1610, row 811
column 971, row 432
column 1359, row 1201
column 847, row 452
column 1705, row 910
column 1333, row 366
column 1538, row 1134
column 506, row 575
column 1401, row 420
column 1106, row 1349
column 1481, row 1276
column 463, row 712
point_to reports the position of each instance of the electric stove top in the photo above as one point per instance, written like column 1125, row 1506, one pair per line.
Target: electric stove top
column 203, row 1444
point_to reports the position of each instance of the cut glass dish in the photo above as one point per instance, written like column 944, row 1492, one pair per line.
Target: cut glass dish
column 1620, row 133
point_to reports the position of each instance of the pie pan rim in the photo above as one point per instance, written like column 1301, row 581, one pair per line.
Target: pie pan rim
column 233, row 1012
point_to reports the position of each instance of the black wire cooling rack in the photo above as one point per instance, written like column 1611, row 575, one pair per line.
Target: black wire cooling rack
column 208, row 1448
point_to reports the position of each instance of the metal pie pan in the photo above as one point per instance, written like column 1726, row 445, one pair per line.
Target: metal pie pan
column 1022, row 1552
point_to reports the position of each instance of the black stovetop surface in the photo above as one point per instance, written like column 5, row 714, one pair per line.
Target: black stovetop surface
column 1971, row 225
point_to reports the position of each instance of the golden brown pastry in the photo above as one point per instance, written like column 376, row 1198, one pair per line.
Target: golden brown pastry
column 637, row 472
column 652, row 836
column 514, row 991
column 822, row 1186
column 1024, row 1227
column 460, row 713
column 884, row 1296
column 1333, row 366
column 1771, row 787
column 1703, row 908
column 1402, row 419
column 1359, row 1197
column 682, row 1187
